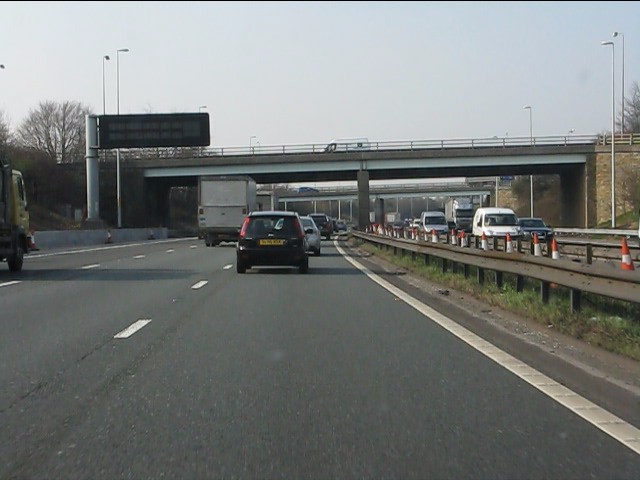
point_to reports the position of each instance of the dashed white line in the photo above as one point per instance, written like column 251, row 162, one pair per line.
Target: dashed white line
column 89, row 267
column 133, row 328
column 227, row 267
column 612, row 425
column 6, row 284
column 170, row 250
column 193, row 246
column 139, row 256
column 200, row 284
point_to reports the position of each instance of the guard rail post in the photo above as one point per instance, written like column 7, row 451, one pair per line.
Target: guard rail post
column 589, row 254
column 574, row 300
column 519, row 283
column 480, row 275
column 545, row 288
column 467, row 270
column 499, row 279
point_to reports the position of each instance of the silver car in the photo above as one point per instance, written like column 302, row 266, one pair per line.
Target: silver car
column 312, row 238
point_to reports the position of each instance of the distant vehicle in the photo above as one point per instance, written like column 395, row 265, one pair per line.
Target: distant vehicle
column 223, row 203
column 313, row 239
column 272, row 238
column 496, row 222
column 459, row 213
column 434, row 220
column 391, row 217
column 530, row 225
column 416, row 223
column 15, row 239
column 342, row 225
column 324, row 223
column 348, row 145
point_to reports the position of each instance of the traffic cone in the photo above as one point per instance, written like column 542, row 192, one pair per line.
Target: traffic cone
column 434, row 236
column 485, row 243
column 454, row 239
column 109, row 239
column 463, row 239
column 508, row 244
column 627, row 264
column 555, row 254
column 32, row 241
column 537, row 249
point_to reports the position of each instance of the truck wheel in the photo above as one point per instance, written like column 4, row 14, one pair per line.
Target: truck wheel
column 15, row 261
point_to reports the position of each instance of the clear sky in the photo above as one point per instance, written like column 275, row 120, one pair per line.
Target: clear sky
column 309, row 72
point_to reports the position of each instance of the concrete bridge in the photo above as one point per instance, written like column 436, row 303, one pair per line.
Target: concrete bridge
column 581, row 162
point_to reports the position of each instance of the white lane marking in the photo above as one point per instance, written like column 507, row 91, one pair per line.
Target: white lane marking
column 133, row 328
column 112, row 247
column 170, row 250
column 89, row 267
column 6, row 284
column 139, row 256
column 227, row 267
column 193, row 246
column 200, row 284
column 612, row 425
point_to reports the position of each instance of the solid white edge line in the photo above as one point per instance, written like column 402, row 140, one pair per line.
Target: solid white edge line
column 200, row 284
column 13, row 282
column 89, row 267
column 612, row 425
column 133, row 328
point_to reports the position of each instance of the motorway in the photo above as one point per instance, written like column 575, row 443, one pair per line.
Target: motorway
column 271, row 374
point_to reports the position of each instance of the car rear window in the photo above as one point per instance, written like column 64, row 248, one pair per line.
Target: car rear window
column 275, row 225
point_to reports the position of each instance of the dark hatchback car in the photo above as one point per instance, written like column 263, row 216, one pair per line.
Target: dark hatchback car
column 530, row 225
column 324, row 223
column 272, row 238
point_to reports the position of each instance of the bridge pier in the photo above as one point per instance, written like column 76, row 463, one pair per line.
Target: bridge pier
column 157, row 203
column 364, row 205
column 574, row 200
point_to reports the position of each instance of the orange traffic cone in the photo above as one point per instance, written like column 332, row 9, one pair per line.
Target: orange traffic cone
column 508, row 245
column 109, row 239
column 454, row 239
column 434, row 236
column 32, row 240
column 537, row 249
column 485, row 243
column 627, row 264
column 555, row 254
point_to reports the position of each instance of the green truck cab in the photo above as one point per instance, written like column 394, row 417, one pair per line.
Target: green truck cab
column 15, row 239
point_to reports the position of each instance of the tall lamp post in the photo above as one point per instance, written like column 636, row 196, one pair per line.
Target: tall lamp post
column 528, row 107
column 250, row 142
column 615, row 34
column 104, row 105
column 200, row 110
column 118, row 52
column 613, row 130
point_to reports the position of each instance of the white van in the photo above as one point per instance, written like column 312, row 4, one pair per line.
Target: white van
column 348, row 145
column 496, row 222
column 434, row 220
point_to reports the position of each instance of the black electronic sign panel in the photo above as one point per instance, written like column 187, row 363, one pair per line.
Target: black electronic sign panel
column 153, row 130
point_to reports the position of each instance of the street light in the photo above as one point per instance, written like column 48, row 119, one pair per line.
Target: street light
column 104, row 105
column 1, row 66
column 118, row 52
column 528, row 107
column 251, row 140
column 201, row 107
column 615, row 34
column 613, row 126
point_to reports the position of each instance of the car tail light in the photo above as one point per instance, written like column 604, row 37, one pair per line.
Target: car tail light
column 300, row 229
column 243, row 230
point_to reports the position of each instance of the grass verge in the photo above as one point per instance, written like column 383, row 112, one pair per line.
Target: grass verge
column 611, row 324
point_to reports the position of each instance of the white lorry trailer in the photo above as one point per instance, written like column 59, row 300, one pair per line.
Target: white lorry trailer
column 223, row 204
column 459, row 213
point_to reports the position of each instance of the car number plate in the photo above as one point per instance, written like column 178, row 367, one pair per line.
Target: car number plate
column 270, row 241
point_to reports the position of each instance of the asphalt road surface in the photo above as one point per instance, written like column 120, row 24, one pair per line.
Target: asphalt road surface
column 270, row 374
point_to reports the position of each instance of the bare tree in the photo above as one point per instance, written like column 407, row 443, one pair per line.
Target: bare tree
column 631, row 111
column 57, row 130
column 5, row 131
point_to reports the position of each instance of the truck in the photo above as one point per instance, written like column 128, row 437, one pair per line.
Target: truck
column 15, row 239
column 459, row 213
column 392, row 217
column 223, row 204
